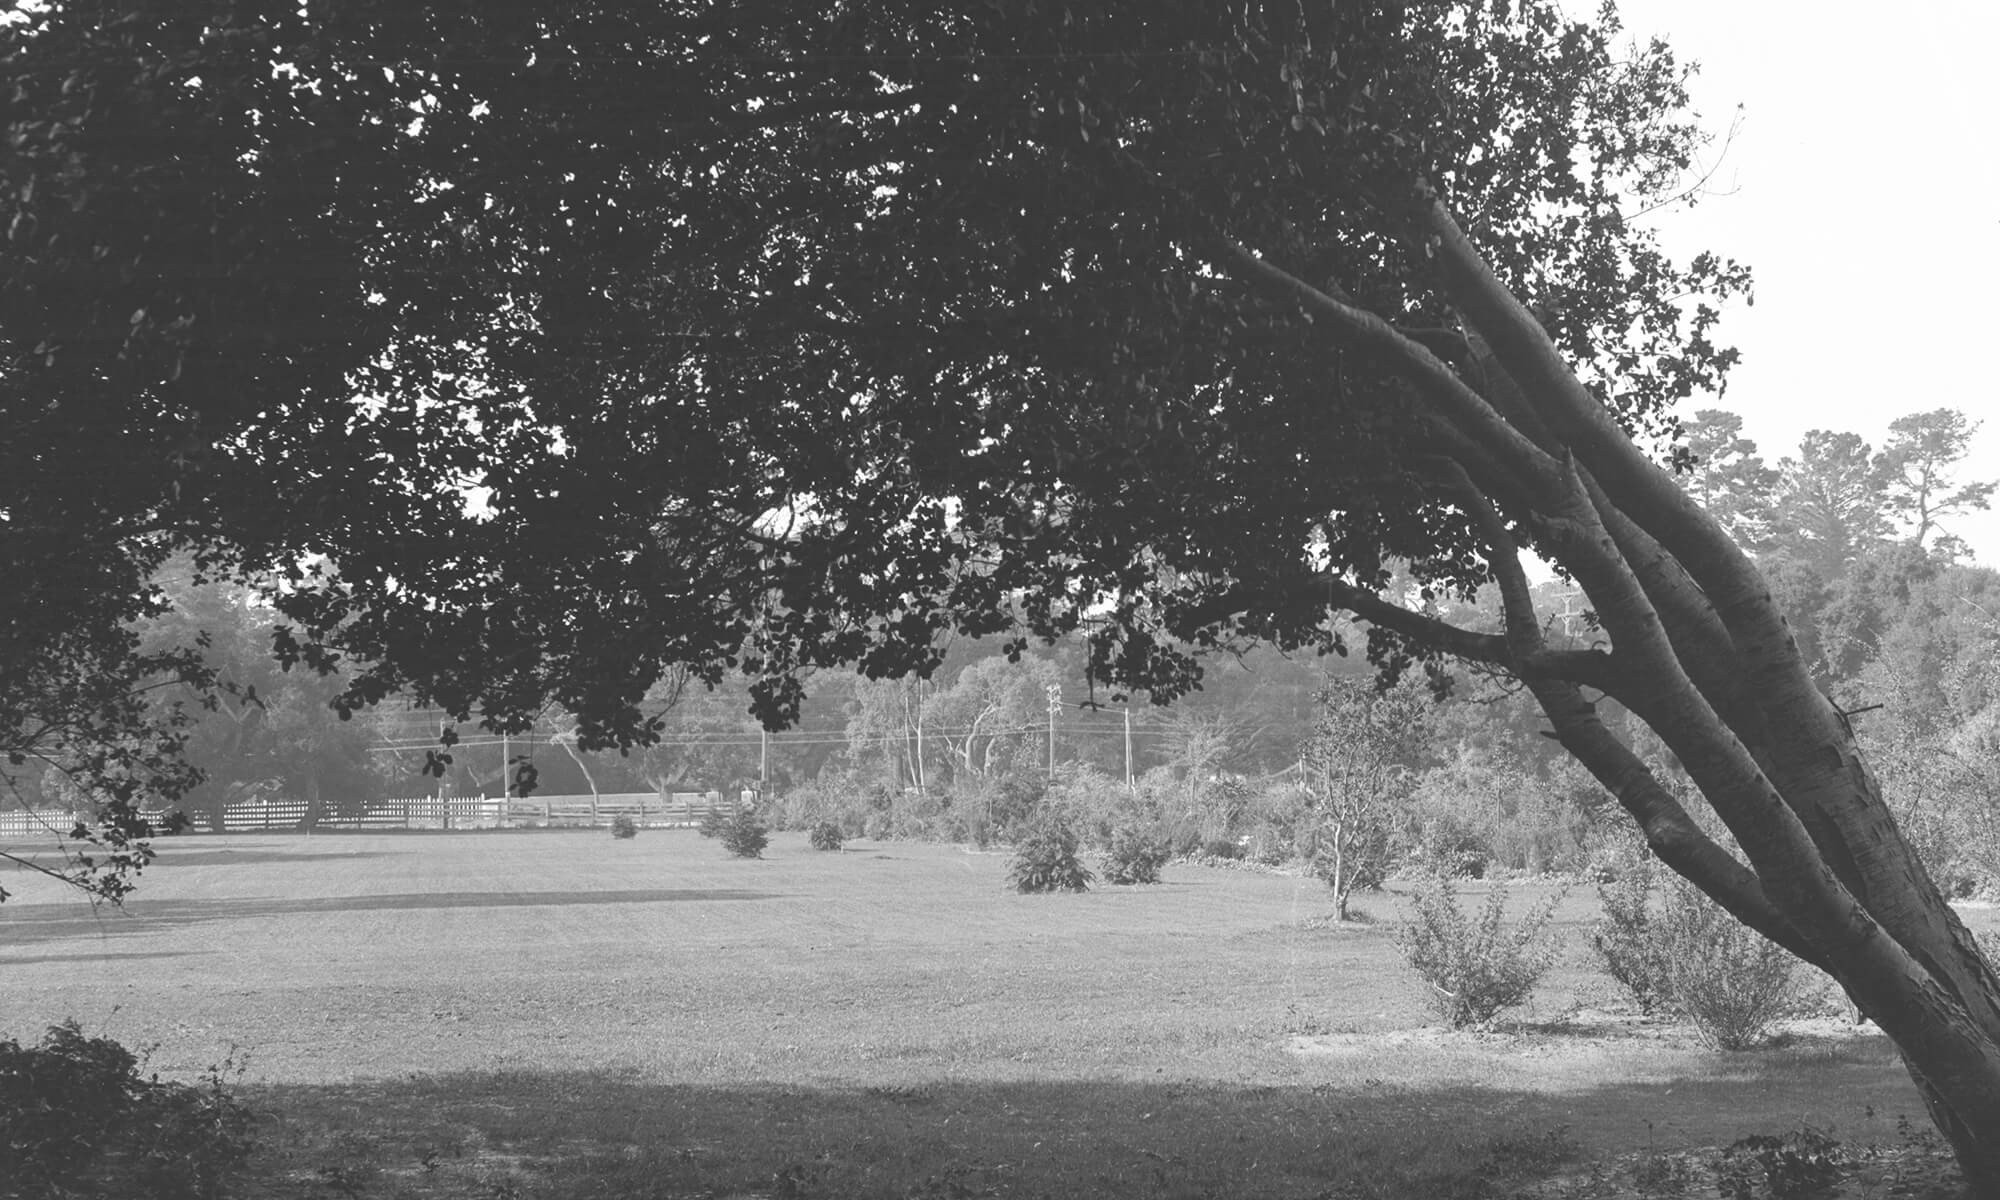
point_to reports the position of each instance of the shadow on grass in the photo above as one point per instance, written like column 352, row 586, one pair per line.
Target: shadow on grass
column 574, row 1135
column 181, row 854
column 25, row 925
column 97, row 956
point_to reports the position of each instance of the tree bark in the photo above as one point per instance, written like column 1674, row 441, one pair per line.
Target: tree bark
column 1701, row 652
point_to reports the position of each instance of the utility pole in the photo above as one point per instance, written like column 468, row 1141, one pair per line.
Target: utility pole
column 1055, row 706
column 1128, row 747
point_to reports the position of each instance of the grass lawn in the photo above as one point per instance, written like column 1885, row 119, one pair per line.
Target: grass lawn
column 561, row 1014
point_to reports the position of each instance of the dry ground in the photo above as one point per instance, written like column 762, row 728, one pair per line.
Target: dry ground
column 561, row 1014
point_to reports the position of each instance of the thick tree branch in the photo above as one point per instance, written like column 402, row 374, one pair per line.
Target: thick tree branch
column 1670, row 832
column 1877, row 920
column 1465, row 409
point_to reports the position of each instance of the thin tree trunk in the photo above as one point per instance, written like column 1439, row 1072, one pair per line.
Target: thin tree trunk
column 589, row 780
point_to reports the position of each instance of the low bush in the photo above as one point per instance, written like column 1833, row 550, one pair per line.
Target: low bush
column 1046, row 861
column 622, row 826
column 78, row 1119
column 1730, row 981
column 1693, row 959
column 1222, row 848
column 1447, row 847
column 1135, row 857
column 1629, row 942
column 826, row 836
column 714, row 823
column 744, row 835
column 1800, row 1164
column 1476, row 968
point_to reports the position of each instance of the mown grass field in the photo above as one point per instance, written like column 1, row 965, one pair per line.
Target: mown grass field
column 562, row 1014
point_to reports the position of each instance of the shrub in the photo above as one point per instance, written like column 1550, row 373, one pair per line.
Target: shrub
column 1446, row 846
column 1046, row 861
column 1629, row 942
column 714, row 823
column 622, row 826
column 826, row 836
column 744, row 836
column 79, row 1119
column 1135, row 857
column 1695, row 960
column 1476, row 969
column 1222, row 848
column 1798, row 1165
column 1733, row 983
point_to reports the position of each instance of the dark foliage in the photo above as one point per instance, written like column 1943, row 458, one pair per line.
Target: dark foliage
column 1801, row 1164
column 78, row 1119
column 1046, row 861
column 622, row 826
column 744, row 834
column 1223, row 848
column 826, row 835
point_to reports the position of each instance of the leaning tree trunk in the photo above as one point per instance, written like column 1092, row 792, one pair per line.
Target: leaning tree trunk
column 1700, row 651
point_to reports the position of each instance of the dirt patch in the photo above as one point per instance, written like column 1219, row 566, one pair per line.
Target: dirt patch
column 1581, row 1033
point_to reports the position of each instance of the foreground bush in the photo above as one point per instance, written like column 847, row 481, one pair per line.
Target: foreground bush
column 1046, row 861
column 1135, row 857
column 1696, row 961
column 77, row 1119
column 826, row 836
column 622, row 826
column 1476, row 969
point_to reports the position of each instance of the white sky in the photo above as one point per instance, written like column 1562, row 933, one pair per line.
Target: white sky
column 1864, row 192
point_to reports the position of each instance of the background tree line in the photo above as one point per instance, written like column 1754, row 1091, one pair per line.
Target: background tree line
column 1902, row 630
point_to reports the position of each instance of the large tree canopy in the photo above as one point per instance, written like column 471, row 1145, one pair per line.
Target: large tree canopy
column 540, row 352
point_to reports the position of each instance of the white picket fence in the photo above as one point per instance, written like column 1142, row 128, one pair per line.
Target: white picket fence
column 41, row 824
column 677, row 809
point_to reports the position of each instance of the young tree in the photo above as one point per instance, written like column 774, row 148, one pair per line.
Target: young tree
column 1358, row 769
column 776, row 340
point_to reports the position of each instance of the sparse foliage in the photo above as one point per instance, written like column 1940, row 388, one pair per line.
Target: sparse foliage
column 1692, row 959
column 1629, row 942
column 1358, row 770
column 1730, row 982
column 1476, row 968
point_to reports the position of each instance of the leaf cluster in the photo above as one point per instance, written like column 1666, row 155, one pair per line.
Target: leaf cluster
column 769, row 343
